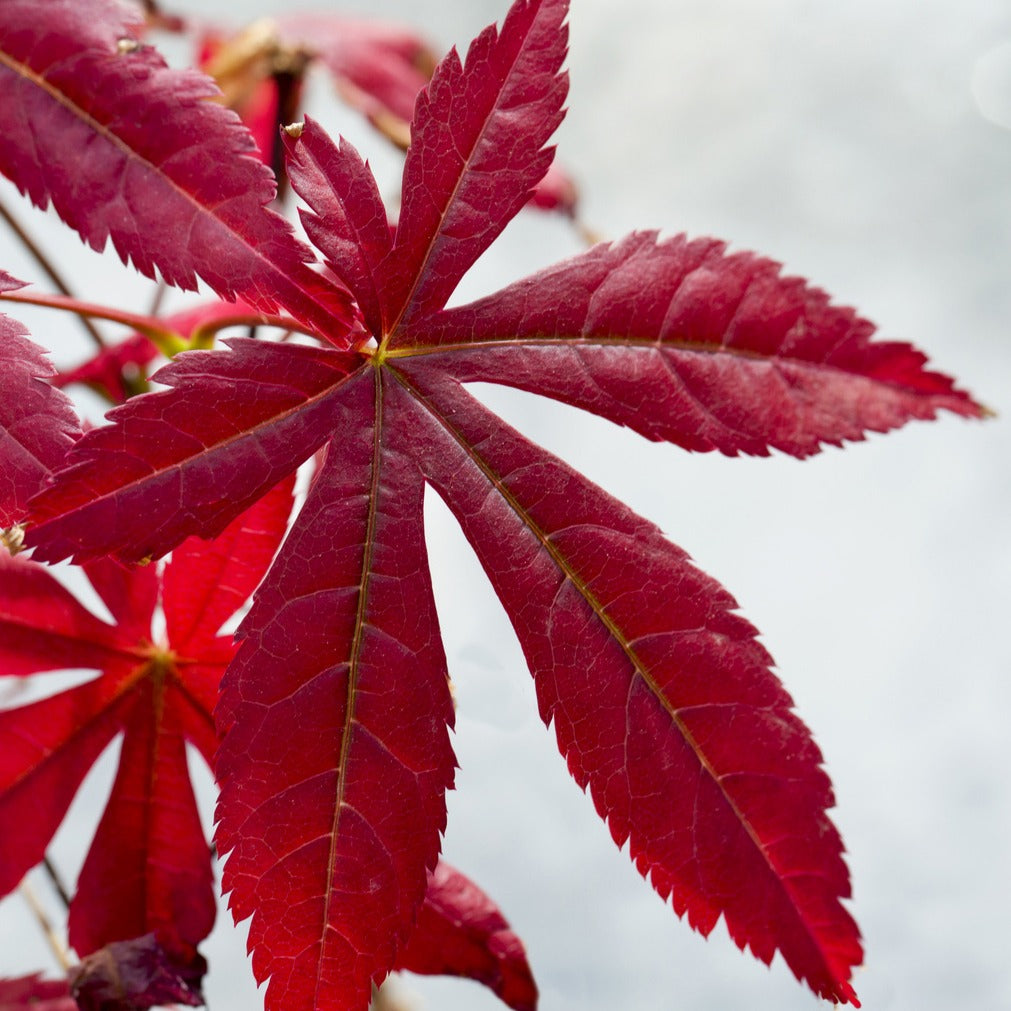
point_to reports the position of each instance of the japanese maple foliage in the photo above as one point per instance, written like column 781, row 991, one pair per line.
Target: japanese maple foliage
column 334, row 714
column 148, row 868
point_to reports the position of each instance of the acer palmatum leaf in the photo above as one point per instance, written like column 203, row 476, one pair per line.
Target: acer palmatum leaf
column 330, row 827
column 170, row 177
column 37, row 423
column 148, row 868
column 461, row 932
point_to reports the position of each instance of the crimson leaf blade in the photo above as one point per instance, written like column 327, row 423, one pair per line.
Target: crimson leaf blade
column 477, row 150
column 347, row 219
column 175, row 464
column 171, row 178
column 129, row 592
column 148, row 868
column 42, row 625
column 206, row 582
column 347, row 649
column 684, row 343
column 661, row 697
column 48, row 748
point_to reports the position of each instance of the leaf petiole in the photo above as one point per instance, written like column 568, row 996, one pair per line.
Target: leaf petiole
column 165, row 339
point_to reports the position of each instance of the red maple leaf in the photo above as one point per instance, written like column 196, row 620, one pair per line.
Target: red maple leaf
column 148, row 868
column 336, row 709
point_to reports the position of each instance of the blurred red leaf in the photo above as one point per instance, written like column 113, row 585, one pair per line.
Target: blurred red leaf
column 134, row 975
column 461, row 932
column 148, row 868
column 33, row 993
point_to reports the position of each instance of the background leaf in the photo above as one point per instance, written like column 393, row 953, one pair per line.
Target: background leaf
column 461, row 932
column 186, row 198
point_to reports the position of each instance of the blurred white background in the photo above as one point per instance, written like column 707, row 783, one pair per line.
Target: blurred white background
column 867, row 146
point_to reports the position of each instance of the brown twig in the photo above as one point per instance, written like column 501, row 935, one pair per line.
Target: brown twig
column 53, row 274
column 55, row 942
column 57, row 881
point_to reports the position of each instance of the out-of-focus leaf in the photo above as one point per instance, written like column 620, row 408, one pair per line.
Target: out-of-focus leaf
column 171, row 178
column 116, row 371
column 33, row 993
column 148, row 868
column 378, row 66
column 461, row 932
column 134, row 975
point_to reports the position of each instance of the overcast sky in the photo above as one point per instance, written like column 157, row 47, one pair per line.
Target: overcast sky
column 867, row 146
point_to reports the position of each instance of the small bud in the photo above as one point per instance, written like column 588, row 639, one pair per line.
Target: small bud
column 127, row 45
column 294, row 130
column 13, row 538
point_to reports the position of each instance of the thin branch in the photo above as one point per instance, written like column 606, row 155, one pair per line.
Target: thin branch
column 54, row 940
column 166, row 340
column 158, row 298
column 54, row 275
column 57, row 881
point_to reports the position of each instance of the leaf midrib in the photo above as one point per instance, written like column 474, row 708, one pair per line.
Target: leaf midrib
column 354, row 661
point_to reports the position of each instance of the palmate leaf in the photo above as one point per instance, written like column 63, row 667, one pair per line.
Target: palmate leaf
column 170, row 177
column 335, row 713
column 37, row 423
column 148, row 868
